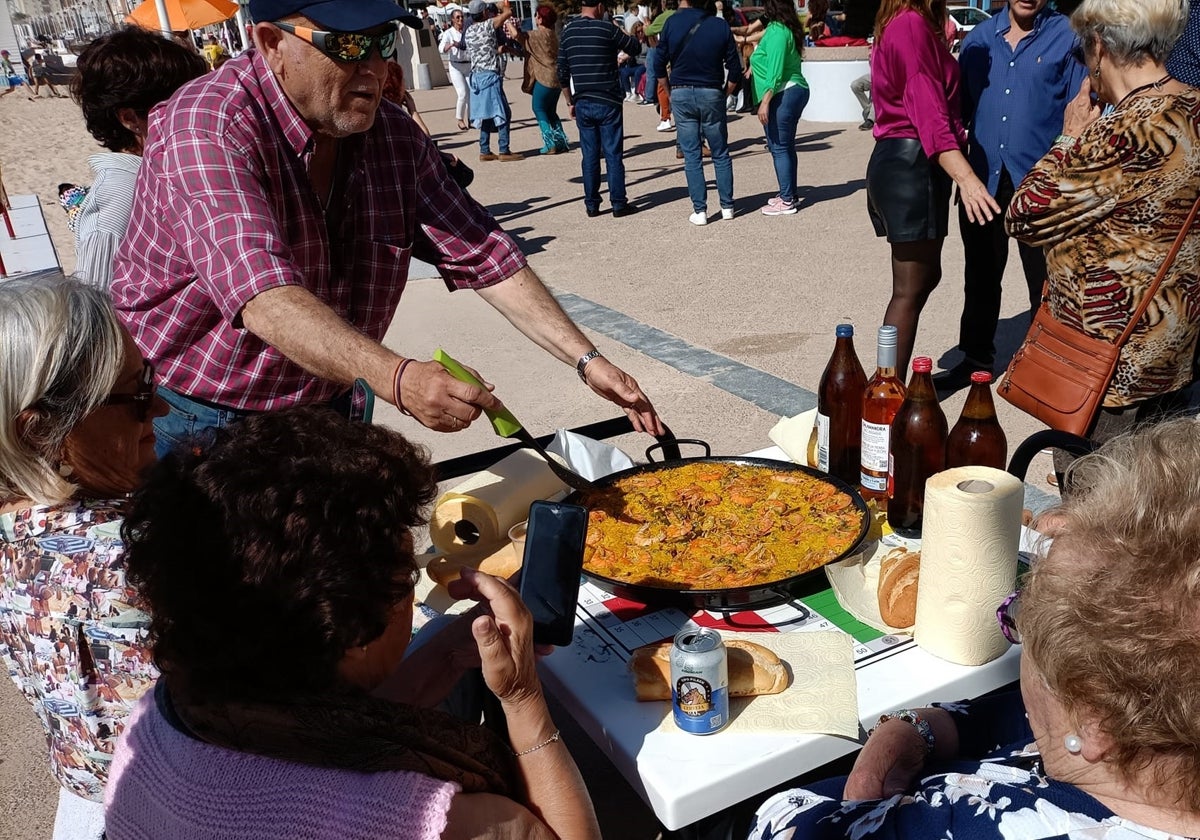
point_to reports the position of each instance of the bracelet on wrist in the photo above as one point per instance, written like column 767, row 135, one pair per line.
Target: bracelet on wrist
column 584, row 361
column 1064, row 140
column 915, row 720
column 556, row 736
column 396, row 399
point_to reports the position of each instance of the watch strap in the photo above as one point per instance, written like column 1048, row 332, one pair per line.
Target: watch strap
column 581, row 365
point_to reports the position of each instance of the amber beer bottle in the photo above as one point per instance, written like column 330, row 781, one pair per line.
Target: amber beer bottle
column 977, row 438
column 881, row 400
column 839, row 410
column 918, row 450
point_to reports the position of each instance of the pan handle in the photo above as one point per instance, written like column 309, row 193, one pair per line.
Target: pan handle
column 667, row 446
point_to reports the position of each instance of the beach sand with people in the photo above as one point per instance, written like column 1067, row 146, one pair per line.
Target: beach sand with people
column 726, row 326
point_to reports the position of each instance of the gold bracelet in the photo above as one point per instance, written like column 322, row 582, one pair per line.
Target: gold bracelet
column 557, row 734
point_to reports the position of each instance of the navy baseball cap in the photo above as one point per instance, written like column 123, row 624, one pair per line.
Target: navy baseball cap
column 336, row 15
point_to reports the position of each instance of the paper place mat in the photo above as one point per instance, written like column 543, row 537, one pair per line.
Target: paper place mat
column 821, row 699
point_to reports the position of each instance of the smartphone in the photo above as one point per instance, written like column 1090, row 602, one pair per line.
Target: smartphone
column 551, row 569
column 362, row 402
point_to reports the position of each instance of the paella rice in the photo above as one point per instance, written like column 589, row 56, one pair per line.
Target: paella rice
column 715, row 525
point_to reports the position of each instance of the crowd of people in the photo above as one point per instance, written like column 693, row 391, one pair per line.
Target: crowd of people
column 175, row 426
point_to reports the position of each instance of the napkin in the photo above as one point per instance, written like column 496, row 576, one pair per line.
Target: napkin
column 791, row 434
column 855, row 581
column 822, row 697
column 589, row 458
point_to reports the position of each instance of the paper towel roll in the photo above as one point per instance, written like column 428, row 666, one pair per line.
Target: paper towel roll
column 477, row 514
column 970, row 537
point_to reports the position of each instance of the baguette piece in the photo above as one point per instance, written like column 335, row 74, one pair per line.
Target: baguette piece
column 899, row 576
column 501, row 562
column 753, row 669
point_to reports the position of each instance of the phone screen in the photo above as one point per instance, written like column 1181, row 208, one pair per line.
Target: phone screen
column 552, row 565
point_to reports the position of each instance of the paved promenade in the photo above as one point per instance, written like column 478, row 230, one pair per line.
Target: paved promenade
column 727, row 326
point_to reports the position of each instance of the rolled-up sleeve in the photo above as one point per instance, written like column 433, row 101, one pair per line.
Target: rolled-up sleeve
column 924, row 98
column 456, row 233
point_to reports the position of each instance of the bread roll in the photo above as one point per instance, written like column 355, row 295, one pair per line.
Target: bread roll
column 899, row 573
column 502, row 563
column 753, row 669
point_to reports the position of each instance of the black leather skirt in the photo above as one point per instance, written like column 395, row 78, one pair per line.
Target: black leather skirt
column 908, row 196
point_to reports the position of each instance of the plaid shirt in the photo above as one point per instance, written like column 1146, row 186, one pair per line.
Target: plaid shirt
column 225, row 210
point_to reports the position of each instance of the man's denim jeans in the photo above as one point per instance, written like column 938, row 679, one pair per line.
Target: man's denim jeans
column 700, row 112
column 601, row 131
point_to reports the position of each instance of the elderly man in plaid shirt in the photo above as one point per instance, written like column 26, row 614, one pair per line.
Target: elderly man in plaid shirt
column 278, row 206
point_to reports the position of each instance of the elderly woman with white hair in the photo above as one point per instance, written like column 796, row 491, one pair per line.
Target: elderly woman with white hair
column 77, row 406
column 1104, row 740
column 1108, row 200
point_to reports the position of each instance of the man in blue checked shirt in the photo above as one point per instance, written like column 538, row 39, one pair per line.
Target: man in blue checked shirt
column 1019, row 73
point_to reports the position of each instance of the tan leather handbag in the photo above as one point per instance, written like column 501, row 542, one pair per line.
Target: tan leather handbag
column 1059, row 375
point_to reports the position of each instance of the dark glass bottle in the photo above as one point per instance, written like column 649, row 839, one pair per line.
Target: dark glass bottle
column 918, row 450
column 839, row 410
column 881, row 400
column 977, row 438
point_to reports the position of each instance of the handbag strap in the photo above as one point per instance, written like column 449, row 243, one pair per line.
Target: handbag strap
column 1162, row 272
column 687, row 39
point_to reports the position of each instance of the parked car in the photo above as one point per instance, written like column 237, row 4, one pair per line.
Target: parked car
column 966, row 17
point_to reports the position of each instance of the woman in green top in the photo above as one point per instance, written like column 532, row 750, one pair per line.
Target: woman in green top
column 776, row 68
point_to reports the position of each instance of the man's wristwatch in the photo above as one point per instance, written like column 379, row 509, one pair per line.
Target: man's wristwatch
column 582, row 364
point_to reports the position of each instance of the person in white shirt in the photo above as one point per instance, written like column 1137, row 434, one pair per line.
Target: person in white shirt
column 452, row 44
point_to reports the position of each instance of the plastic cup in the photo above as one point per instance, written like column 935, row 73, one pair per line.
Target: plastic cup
column 517, row 535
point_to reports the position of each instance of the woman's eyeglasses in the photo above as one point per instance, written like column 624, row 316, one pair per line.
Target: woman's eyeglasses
column 143, row 398
column 1006, row 615
column 345, row 46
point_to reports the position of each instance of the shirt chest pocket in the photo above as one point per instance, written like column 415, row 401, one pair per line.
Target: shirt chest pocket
column 373, row 284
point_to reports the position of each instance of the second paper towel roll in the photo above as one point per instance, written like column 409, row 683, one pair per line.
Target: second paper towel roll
column 477, row 514
column 969, row 541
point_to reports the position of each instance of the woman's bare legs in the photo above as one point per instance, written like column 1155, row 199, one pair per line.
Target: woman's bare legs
column 916, row 271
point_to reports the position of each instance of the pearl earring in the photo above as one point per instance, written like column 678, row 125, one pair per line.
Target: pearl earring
column 65, row 470
column 1073, row 743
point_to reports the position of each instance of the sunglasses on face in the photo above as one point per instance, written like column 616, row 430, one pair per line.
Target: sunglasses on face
column 143, row 398
column 1006, row 615
column 345, row 46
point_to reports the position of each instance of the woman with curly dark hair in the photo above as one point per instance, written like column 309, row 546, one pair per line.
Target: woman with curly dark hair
column 277, row 567
column 120, row 77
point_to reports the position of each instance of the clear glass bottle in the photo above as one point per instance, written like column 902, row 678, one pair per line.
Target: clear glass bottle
column 881, row 400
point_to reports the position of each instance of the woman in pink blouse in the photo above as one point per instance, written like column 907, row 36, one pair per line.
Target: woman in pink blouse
column 918, row 152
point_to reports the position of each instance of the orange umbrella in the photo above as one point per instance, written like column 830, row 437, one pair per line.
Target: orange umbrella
column 183, row 14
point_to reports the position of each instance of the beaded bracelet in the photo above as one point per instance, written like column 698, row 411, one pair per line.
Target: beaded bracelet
column 909, row 716
column 399, row 403
column 557, row 734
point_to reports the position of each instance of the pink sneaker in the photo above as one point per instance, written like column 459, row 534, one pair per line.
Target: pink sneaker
column 777, row 207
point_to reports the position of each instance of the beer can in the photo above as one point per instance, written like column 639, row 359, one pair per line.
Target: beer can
column 699, row 681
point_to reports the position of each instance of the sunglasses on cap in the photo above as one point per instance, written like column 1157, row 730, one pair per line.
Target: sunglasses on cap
column 344, row 46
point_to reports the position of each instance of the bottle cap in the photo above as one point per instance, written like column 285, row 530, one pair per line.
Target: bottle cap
column 981, row 376
column 888, row 336
column 922, row 364
column 845, row 331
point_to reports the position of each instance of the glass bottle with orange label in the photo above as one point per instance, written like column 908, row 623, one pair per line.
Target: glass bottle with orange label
column 881, row 400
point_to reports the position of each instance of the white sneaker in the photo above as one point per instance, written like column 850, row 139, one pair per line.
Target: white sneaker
column 665, row 125
column 727, row 213
column 700, row 218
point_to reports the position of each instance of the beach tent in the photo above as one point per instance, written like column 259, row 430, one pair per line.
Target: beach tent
column 8, row 34
column 184, row 14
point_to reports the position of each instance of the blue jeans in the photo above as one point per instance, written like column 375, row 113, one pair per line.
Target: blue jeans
column 601, row 130
column 701, row 112
column 187, row 419
column 630, row 74
column 782, row 116
column 651, row 81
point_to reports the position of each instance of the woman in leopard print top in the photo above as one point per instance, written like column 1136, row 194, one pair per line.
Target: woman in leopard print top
column 1109, row 199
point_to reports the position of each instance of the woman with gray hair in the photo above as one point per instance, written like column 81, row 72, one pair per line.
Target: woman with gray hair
column 1104, row 739
column 1109, row 199
column 77, row 406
